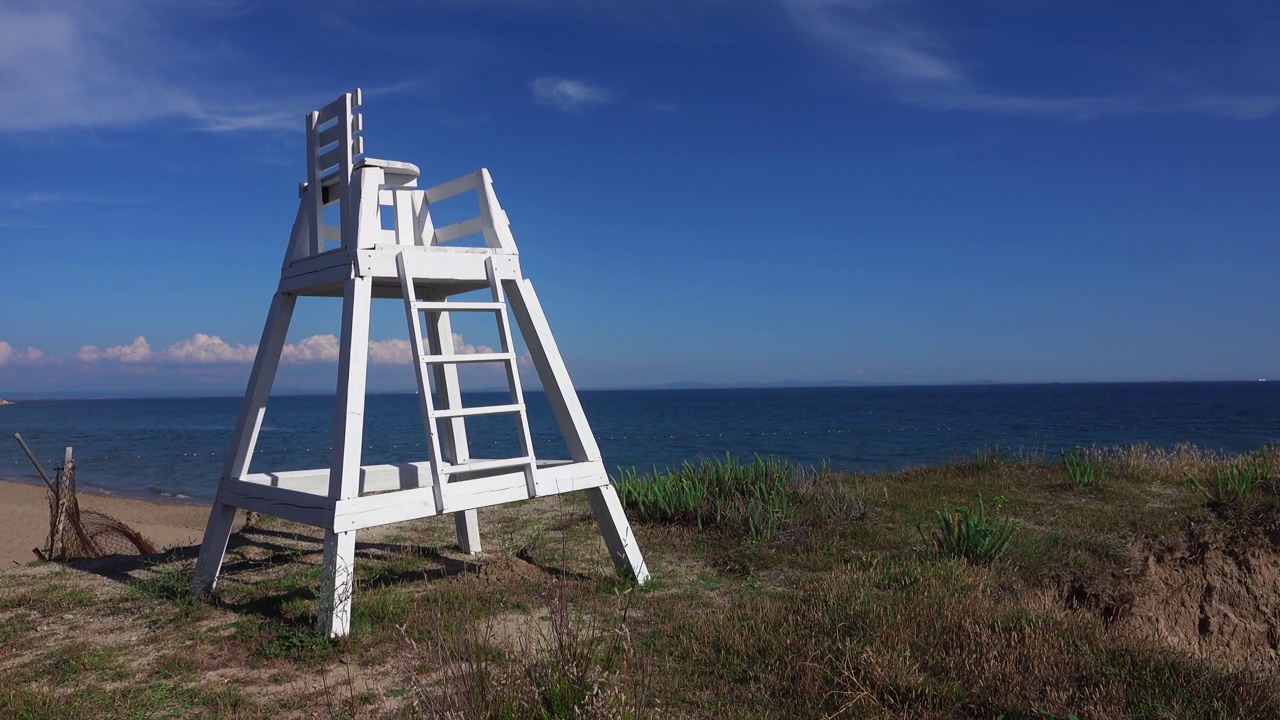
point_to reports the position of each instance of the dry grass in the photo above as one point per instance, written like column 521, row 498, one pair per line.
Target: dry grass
column 836, row 614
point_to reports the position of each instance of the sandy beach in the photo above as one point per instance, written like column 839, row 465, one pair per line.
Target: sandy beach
column 24, row 520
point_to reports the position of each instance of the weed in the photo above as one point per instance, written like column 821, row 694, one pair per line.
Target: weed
column 968, row 535
column 1081, row 468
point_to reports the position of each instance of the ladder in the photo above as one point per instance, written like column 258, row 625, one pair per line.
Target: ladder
column 436, row 364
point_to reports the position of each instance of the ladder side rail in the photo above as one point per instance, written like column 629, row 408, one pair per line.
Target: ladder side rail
column 440, row 340
column 413, row 316
column 440, row 344
column 513, row 376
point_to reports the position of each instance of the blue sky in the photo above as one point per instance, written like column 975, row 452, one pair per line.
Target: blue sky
column 884, row 191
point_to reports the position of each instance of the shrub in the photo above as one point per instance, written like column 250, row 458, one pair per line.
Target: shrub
column 963, row 534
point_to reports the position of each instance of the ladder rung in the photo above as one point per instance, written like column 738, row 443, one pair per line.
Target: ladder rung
column 472, row 306
column 468, row 358
column 478, row 465
column 482, row 410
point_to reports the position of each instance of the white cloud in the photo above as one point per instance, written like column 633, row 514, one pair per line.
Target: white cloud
column 207, row 349
column 573, row 97
column 10, row 355
column 462, row 347
column 884, row 45
column 136, row 352
column 394, row 351
column 317, row 348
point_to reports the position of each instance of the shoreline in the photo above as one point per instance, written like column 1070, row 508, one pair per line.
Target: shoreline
column 24, row 519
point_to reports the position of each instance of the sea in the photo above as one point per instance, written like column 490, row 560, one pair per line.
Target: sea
column 174, row 448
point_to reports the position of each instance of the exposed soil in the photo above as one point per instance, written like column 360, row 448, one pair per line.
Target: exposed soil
column 1215, row 598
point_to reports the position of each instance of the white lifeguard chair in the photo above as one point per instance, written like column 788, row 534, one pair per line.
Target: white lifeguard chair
column 413, row 262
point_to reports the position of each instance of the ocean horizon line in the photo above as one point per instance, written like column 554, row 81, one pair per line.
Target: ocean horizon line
column 85, row 395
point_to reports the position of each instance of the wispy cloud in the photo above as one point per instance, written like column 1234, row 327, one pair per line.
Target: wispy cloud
column 883, row 43
column 573, row 97
column 34, row 199
column 104, row 63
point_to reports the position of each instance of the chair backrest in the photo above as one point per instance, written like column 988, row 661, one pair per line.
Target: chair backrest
column 334, row 142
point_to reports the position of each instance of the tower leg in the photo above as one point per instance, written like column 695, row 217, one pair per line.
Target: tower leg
column 334, row 613
column 467, row 524
column 218, row 530
column 554, row 376
column 337, row 585
column 618, row 537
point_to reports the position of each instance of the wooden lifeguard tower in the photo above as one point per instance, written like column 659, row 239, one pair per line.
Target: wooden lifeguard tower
column 388, row 247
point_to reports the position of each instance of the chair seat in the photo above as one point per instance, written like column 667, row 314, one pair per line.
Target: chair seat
column 395, row 166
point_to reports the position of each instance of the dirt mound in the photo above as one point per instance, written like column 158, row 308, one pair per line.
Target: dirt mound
column 1215, row 597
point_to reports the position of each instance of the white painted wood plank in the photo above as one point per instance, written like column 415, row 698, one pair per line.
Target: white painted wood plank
column 483, row 465
column 446, row 306
column 480, row 410
column 497, row 224
column 457, row 186
column 332, row 158
column 449, row 233
column 435, row 264
column 361, row 223
column 456, row 448
column 513, row 373
column 414, row 319
column 497, row 490
column 217, row 532
column 353, row 358
column 334, row 615
column 470, row 358
column 344, row 106
column 373, row 478
column 303, row 282
column 569, row 477
column 374, row 510
column 306, row 508
column 617, row 533
column 333, row 134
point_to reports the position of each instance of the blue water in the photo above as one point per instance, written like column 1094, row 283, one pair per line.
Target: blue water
column 175, row 446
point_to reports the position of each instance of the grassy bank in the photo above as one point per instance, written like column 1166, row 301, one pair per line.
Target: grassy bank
column 1127, row 583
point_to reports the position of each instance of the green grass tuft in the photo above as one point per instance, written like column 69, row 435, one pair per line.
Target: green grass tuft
column 750, row 498
column 963, row 534
column 1082, row 469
